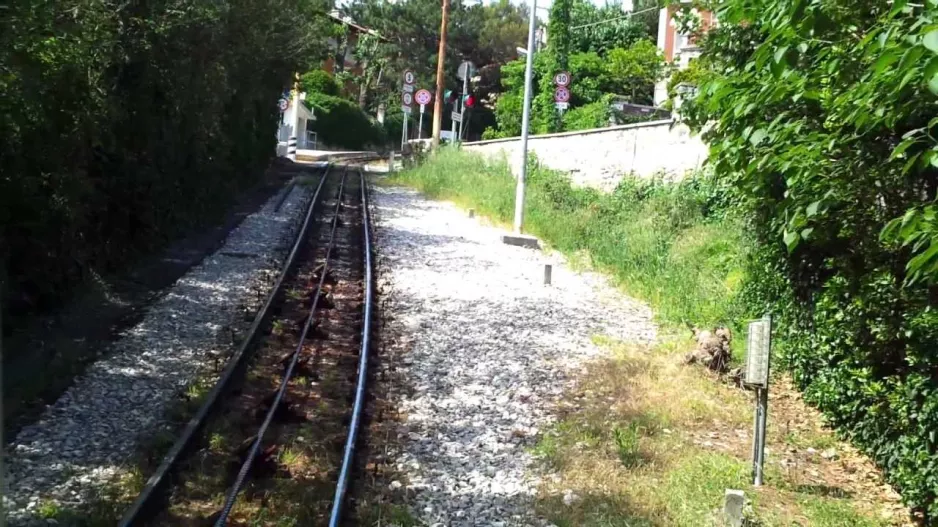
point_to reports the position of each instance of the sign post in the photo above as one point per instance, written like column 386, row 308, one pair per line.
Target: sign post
column 407, row 101
column 562, row 91
column 756, row 374
column 423, row 97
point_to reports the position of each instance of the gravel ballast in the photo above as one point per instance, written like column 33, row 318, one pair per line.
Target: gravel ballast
column 85, row 440
column 482, row 350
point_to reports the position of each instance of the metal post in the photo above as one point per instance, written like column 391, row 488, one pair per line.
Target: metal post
column 462, row 102
column 438, row 98
column 525, row 121
column 762, row 409
column 420, row 125
column 454, row 127
column 403, row 133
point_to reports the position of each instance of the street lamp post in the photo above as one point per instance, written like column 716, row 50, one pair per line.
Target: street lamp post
column 525, row 121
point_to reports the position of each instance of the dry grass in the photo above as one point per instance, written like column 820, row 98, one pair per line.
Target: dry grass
column 646, row 440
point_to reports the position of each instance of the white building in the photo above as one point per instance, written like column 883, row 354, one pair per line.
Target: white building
column 305, row 138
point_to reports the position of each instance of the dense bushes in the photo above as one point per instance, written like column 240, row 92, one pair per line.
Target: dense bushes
column 341, row 123
column 821, row 122
column 122, row 127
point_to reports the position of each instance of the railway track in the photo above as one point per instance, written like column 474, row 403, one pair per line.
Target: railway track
column 274, row 441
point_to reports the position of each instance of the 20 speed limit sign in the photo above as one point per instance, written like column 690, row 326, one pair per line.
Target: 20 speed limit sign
column 562, row 79
column 561, row 94
column 423, row 97
column 409, row 77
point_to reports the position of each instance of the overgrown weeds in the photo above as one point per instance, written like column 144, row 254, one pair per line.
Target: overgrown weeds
column 646, row 441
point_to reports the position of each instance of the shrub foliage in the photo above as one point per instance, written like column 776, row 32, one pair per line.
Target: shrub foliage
column 123, row 125
column 821, row 120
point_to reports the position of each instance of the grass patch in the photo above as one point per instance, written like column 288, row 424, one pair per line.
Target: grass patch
column 648, row 441
column 654, row 238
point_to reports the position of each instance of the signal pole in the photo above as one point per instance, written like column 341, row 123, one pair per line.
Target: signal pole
column 438, row 98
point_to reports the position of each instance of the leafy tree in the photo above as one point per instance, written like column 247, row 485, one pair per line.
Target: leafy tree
column 319, row 81
column 123, row 127
column 636, row 70
column 602, row 29
column 820, row 117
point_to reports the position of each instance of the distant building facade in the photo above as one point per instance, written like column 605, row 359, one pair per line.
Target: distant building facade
column 678, row 48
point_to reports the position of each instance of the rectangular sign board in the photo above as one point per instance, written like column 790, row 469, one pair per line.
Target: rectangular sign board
column 409, row 88
column 758, row 348
column 457, row 117
column 407, row 109
column 562, row 105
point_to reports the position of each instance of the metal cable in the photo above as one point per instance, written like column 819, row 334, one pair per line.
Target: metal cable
column 342, row 484
column 255, row 447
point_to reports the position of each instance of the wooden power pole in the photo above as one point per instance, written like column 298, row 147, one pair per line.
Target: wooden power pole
column 438, row 99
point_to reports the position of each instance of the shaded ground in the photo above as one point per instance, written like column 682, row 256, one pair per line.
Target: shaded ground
column 43, row 355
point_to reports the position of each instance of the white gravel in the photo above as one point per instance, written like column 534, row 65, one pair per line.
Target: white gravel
column 85, row 439
column 483, row 349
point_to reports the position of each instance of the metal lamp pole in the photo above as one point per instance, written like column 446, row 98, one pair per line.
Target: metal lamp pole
column 525, row 121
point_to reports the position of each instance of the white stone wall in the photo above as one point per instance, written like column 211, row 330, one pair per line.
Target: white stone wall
column 599, row 158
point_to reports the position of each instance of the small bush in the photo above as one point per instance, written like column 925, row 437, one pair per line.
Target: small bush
column 319, row 81
column 627, row 444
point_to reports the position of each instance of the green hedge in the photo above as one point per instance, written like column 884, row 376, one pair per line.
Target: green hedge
column 123, row 127
column 342, row 123
column 822, row 142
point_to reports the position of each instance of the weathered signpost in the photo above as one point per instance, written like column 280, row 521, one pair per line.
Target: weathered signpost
column 756, row 375
column 407, row 101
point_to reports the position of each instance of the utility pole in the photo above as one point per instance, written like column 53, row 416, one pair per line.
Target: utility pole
column 438, row 99
column 525, row 121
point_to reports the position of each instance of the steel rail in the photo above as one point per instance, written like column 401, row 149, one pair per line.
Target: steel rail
column 232, row 496
column 342, row 484
column 155, row 484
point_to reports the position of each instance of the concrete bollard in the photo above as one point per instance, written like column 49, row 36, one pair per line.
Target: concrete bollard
column 733, row 503
column 547, row 272
column 472, row 213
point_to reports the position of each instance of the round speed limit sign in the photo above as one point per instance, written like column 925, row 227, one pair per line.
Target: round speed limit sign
column 409, row 77
column 562, row 79
column 407, row 98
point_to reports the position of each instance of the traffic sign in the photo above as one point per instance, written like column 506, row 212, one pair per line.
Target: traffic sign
column 423, row 107
column 407, row 98
column 457, row 117
column 466, row 70
column 423, row 97
column 409, row 88
column 406, row 109
column 562, row 105
column 561, row 94
column 562, row 79
column 283, row 104
column 409, row 77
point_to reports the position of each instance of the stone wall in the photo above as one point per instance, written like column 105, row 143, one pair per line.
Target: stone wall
column 601, row 157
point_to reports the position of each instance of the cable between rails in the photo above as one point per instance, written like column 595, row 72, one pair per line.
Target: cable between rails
column 342, row 484
column 255, row 447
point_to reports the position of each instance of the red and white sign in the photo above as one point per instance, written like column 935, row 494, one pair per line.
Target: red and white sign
column 409, row 77
column 561, row 94
column 562, row 79
column 423, row 97
column 407, row 98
